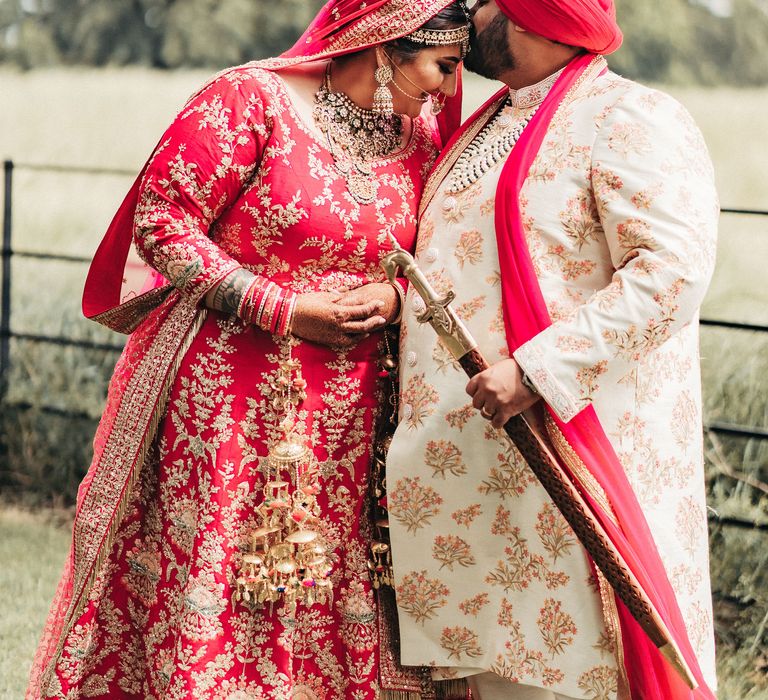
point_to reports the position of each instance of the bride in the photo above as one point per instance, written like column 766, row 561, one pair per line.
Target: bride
column 220, row 545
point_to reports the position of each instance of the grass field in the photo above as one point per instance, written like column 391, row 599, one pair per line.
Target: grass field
column 32, row 551
column 113, row 118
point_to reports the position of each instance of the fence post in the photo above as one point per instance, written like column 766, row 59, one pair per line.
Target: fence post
column 5, row 290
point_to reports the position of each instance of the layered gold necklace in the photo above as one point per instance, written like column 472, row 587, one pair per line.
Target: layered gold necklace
column 356, row 138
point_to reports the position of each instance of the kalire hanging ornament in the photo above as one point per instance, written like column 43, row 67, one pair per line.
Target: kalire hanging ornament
column 287, row 557
column 380, row 552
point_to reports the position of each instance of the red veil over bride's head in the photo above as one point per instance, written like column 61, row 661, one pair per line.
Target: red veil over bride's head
column 116, row 292
column 341, row 27
column 346, row 26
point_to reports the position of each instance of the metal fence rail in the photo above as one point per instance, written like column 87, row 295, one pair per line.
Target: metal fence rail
column 7, row 334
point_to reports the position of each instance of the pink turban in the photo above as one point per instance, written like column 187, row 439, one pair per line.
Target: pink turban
column 589, row 24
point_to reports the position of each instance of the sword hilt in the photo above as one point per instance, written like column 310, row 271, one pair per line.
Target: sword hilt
column 438, row 312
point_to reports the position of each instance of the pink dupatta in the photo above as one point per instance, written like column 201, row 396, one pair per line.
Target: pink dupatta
column 525, row 313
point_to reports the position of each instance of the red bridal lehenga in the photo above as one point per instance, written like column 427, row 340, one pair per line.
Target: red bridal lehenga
column 151, row 614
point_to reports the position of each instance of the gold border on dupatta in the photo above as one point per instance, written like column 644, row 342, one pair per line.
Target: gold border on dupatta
column 396, row 19
column 126, row 317
column 142, row 407
column 607, row 596
column 585, row 477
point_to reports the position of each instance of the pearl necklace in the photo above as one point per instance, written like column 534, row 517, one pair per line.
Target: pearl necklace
column 486, row 150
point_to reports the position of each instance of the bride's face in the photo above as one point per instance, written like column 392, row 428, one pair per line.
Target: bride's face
column 430, row 72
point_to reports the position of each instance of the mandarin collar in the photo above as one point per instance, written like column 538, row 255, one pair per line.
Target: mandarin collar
column 533, row 95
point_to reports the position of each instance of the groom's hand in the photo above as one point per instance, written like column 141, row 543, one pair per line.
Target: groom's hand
column 321, row 317
column 499, row 392
column 380, row 292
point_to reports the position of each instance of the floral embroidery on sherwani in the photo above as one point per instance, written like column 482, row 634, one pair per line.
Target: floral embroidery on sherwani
column 240, row 181
column 619, row 212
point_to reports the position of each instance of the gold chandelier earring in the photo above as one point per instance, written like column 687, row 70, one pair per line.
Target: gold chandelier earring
column 382, row 98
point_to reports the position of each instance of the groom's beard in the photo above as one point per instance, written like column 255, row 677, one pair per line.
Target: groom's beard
column 489, row 52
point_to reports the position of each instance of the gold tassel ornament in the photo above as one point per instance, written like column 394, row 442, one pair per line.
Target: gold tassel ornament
column 382, row 97
column 287, row 557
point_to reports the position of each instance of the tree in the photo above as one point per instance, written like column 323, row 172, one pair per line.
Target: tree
column 670, row 41
column 683, row 42
column 159, row 33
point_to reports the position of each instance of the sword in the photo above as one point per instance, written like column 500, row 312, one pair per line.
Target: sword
column 544, row 464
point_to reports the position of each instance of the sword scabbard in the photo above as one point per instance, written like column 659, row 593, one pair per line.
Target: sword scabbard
column 545, row 465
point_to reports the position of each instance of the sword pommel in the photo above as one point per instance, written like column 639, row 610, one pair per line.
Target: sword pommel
column 398, row 259
column 438, row 312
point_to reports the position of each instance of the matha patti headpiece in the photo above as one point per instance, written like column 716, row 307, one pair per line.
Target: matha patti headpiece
column 443, row 37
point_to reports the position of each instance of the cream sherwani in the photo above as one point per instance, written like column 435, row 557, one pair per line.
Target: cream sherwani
column 620, row 215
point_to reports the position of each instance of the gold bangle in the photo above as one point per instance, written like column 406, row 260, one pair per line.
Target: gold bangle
column 401, row 296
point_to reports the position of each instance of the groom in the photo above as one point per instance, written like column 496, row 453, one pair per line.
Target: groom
column 575, row 219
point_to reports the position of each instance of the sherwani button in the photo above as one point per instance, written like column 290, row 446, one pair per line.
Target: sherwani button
column 418, row 304
column 407, row 411
column 431, row 255
column 411, row 358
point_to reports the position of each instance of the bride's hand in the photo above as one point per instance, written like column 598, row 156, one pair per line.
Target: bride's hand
column 337, row 320
column 376, row 291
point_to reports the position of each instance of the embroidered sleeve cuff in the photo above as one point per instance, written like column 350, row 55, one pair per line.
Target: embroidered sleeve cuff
column 534, row 365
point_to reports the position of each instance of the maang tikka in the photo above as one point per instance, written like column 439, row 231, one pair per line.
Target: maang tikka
column 382, row 98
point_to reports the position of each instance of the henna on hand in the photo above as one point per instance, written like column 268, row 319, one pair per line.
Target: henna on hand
column 329, row 318
column 320, row 318
column 381, row 292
